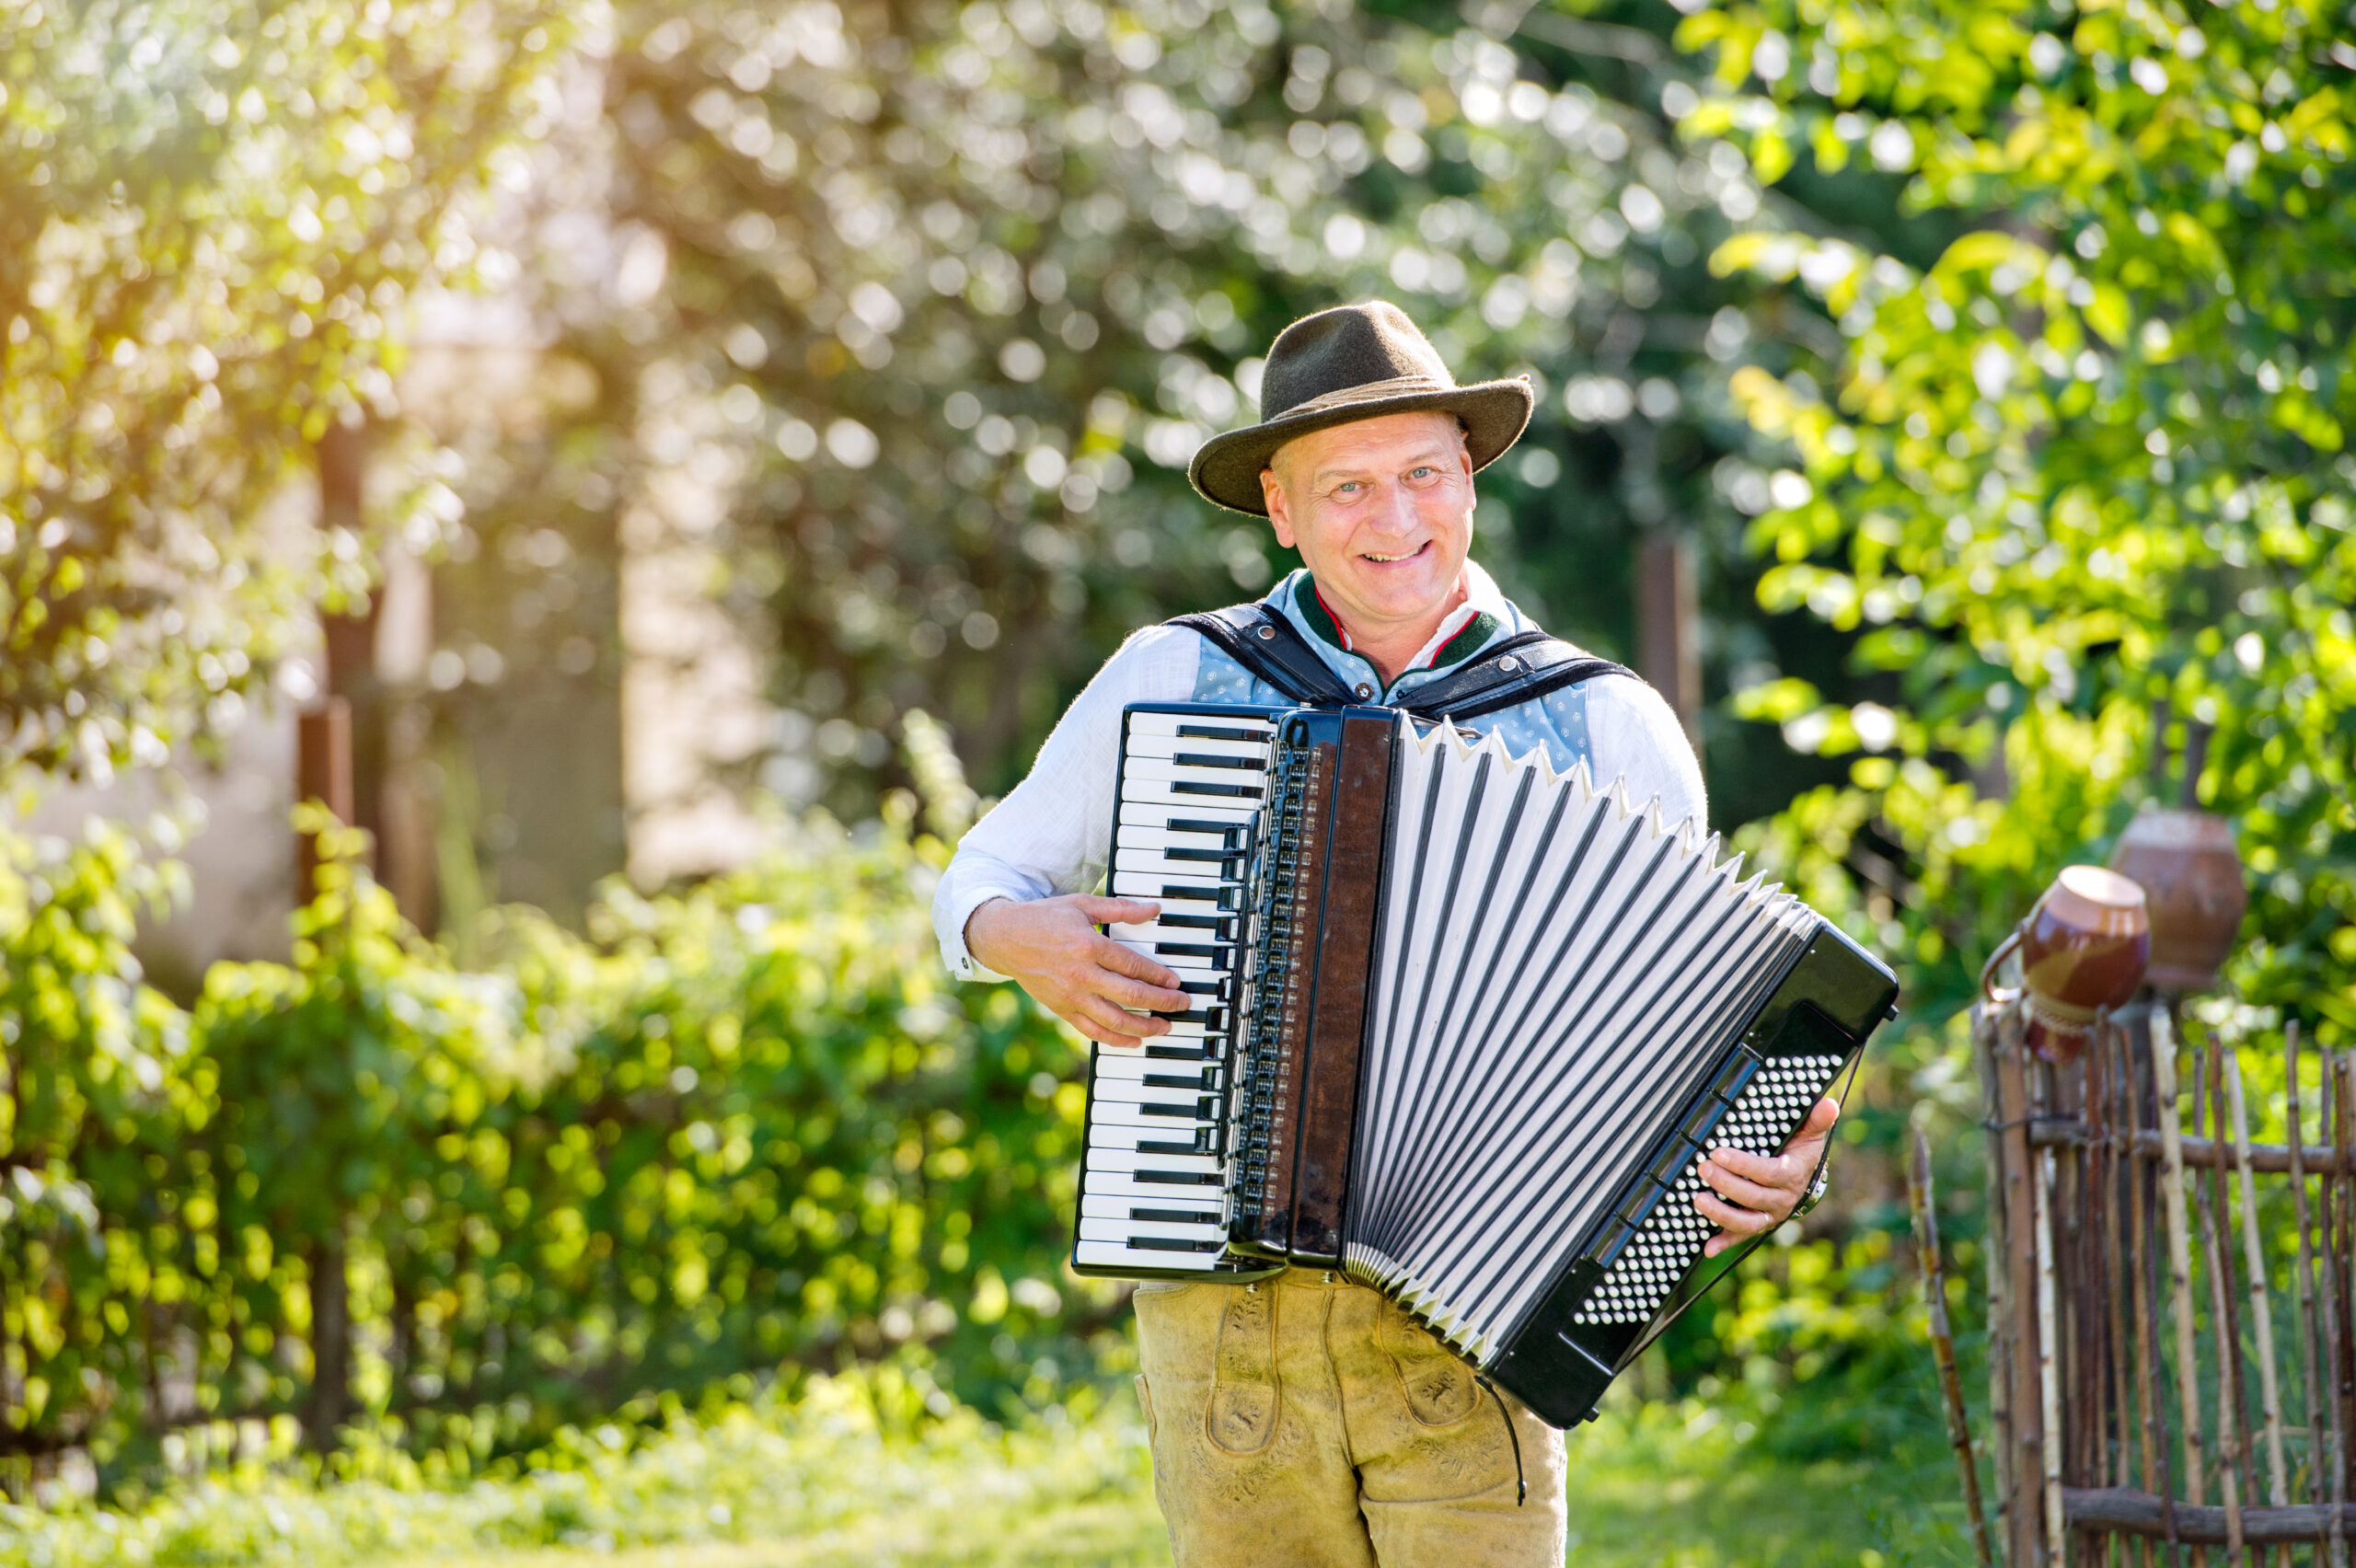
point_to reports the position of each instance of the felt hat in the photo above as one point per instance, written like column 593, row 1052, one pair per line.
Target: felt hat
column 1356, row 362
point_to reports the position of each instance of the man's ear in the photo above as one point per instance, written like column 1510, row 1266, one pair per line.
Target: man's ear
column 1279, row 510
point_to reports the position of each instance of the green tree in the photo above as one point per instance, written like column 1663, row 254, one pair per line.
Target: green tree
column 930, row 305
column 2089, row 459
column 216, row 218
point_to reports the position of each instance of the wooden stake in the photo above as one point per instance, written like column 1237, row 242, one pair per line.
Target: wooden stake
column 2140, row 1281
column 1926, row 1241
column 2000, row 1349
column 2261, row 1311
column 2049, row 1370
column 2332, row 1482
column 2336, row 1253
column 2180, row 1239
column 2314, row 1357
column 2113, row 1266
column 2232, row 1443
column 2024, row 1513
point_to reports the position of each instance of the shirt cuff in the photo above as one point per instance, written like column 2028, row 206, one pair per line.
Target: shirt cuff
column 961, row 962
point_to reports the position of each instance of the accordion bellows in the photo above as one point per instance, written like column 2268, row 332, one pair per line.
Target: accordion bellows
column 1562, row 957
column 1466, row 1026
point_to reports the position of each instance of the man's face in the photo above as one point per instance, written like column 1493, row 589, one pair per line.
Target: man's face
column 1381, row 512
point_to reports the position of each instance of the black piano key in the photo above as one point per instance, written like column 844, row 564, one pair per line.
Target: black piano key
column 1228, row 830
column 1176, row 1217
column 1232, row 791
column 1207, row 733
column 1172, row 1244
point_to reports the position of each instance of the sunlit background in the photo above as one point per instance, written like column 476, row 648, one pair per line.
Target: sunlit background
column 651, row 466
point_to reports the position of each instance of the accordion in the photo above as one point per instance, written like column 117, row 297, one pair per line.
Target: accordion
column 1462, row 1026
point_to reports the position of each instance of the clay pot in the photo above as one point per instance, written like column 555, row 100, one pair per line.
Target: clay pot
column 2082, row 948
column 2191, row 877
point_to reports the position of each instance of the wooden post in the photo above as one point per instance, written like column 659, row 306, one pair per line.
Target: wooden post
column 2262, row 1310
column 2179, row 1237
column 2136, row 1271
column 2232, row 1445
column 2315, row 1323
column 1998, row 1251
column 1669, row 648
column 2023, row 1503
column 1934, row 1288
column 2049, row 1361
column 322, row 773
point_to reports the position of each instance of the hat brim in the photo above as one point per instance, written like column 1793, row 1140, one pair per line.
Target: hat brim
column 1494, row 413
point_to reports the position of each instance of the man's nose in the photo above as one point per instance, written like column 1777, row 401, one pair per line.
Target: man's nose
column 1394, row 510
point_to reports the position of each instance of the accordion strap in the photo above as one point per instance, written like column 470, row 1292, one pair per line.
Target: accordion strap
column 1520, row 668
column 1272, row 648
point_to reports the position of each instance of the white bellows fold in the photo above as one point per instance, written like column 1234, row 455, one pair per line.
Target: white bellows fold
column 1557, row 965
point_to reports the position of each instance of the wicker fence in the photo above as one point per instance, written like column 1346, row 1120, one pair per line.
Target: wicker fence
column 2171, row 1301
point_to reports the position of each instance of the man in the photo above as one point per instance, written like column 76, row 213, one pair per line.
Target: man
column 1308, row 1421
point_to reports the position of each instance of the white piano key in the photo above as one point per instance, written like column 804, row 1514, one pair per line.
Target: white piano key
column 1253, row 751
column 1181, row 895
column 1125, row 1114
column 1113, row 1091
column 1141, row 1173
column 1136, row 1064
column 1139, row 768
column 1183, row 962
column 1154, row 863
column 1190, row 1191
column 1161, row 930
column 1095, row 1227
column 1192, row 1171
column 1212, row 792
column 1166, row 838
column 1199, row 1078
column 1171, row 723
column 1162, row 811
column 1120, row 1256
column 1140, row 1146
column 1118, row 1205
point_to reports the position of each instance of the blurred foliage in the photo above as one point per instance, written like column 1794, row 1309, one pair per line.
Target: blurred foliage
column 913, row 315
column 848, row 1470
column 845, row 1469
column 2089, row 460
column 216, row 216
column 2017, row 333
column 746, row 1127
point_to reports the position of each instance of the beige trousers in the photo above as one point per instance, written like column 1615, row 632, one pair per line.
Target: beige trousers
column 1307, row 1423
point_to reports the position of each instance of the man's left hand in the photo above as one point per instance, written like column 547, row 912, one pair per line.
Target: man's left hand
column 1752, row 1193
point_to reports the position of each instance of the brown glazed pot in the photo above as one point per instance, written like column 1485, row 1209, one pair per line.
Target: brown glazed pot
column 2191, row 877
column 2083, row 948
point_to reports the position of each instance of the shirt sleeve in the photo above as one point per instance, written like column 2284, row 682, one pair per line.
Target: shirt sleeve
column 1050, row 834
column 1632, row 733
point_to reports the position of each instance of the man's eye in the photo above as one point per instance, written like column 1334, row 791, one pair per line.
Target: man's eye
column 1346, row 487
column 1423, row 472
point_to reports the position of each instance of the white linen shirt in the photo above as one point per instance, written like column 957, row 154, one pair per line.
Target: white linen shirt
column 1051, row 833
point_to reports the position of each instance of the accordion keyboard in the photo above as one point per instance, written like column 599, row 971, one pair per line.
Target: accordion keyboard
column 1646, row 1266
column 1152, row 1186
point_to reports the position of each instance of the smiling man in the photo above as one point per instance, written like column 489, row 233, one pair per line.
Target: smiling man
column 1308, row 1421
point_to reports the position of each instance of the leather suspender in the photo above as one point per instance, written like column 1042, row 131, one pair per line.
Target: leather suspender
column 1521, row 668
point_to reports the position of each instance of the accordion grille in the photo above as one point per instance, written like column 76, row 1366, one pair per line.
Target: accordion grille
column 1561, row 970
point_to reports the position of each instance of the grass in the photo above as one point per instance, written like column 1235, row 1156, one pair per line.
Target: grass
column 818, row 1485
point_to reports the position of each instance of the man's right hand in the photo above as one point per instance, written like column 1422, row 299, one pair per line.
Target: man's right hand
column 1051, row 948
